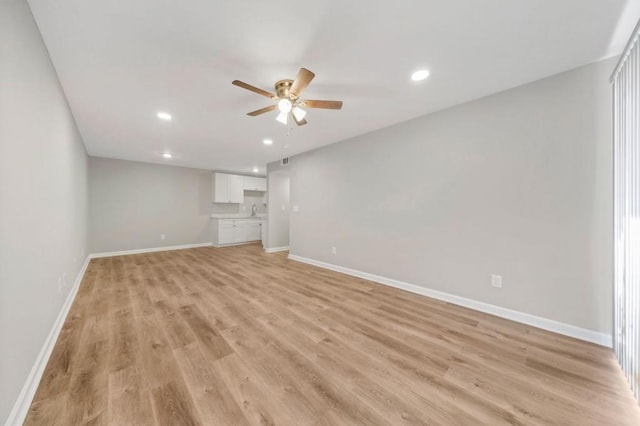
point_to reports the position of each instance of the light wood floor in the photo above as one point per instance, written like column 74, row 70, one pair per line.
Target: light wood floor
column 236, row 336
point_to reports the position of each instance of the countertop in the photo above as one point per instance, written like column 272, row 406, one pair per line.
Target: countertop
column 236, row 217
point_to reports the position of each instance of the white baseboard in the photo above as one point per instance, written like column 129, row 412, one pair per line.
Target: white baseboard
column 276, row 249
column 21, row 407
column 147, row 250
column 521, row 317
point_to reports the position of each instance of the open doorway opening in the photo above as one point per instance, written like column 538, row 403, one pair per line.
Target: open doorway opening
column 277, row 211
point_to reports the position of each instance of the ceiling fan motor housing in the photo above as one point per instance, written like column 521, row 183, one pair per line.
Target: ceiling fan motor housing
column 282, row 89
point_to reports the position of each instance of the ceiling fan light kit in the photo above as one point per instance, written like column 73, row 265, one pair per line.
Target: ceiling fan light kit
column 299, row 113
column 284, row 105
column 283, row 118
column 287, row 98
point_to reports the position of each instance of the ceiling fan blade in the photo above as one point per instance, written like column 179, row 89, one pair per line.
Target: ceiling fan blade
column 252, row 88
column 299, row 122
column 262, row 110
column 321, row 104
column 302, row 80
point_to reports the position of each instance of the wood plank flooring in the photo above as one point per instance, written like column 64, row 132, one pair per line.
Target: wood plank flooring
column 234, row 336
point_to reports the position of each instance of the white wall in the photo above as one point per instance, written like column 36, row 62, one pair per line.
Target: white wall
column 43, row 198
column 278, row 210
column 517, row 184
column 131, row 204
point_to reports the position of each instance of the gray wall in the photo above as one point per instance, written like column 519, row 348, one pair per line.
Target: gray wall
column 43, row 198
column 131, row 204
column 278, row 210
column 517, row 184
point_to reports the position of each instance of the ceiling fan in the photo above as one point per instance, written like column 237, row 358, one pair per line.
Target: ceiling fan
column 287, row 98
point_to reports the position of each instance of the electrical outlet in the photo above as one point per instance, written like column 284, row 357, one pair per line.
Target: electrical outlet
column 333, row 250
column 296, row 208
column 496, row 281
column 162, row 236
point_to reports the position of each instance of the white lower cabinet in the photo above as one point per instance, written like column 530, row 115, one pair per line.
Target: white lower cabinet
column 225, row 233
column 236, row 231
column 247, row 232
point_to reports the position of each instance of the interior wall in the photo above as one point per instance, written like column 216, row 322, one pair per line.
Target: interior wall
column 278, row 210
column 43, row 199
column 131, row 204
column 517, row 184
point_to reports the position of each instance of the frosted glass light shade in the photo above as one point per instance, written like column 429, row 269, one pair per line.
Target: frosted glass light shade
column 284, row 105
column 282, row 117
column 299, row 113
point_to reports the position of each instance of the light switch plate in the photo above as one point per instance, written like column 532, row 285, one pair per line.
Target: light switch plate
column 496, row 281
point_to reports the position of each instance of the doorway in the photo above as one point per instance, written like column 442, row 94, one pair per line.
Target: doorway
column 277, row 211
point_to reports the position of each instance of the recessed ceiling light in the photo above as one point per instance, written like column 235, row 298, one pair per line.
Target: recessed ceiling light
column 167, row 155
column 255, row 170
column 267, row 142
column 164, row 116
column 420, row 75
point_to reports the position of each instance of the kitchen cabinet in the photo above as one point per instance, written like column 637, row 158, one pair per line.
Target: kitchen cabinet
column 247, row 231
column 255, row 183
column 228, row 188
column 236, row 189
column 225, row 233
column 236, row 231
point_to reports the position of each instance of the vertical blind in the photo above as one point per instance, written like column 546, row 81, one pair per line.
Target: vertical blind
column 626, row 118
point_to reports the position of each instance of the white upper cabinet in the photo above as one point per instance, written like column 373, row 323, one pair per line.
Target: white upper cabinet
column 220, row 188
column 236, row 189
column 228, row 188
column 255, row 183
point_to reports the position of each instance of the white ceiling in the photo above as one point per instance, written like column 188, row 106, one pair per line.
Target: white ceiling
column 120, row 62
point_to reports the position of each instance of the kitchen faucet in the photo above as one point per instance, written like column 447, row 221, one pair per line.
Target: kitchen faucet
column 254, row 210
